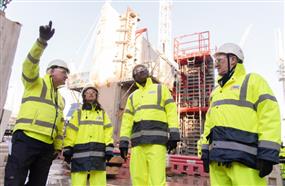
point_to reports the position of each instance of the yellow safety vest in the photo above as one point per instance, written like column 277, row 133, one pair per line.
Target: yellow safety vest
column 150, row 116
column 41, row 111
column 243, row 121
column 282, row 162
column 89, row 132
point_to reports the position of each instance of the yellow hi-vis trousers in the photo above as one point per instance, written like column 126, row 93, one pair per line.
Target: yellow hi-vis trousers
column 237, row 175
column 97, row 178
column 148, row 164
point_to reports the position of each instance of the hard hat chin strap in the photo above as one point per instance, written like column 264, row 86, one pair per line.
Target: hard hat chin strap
column 228, row 75
column 229, row 65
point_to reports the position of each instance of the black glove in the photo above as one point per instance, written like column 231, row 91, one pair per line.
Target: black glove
column 109, row 155
column 124, row 152
column 67, row 153
column 46, row 32
column 206, row 165
column 206, row 160
column 264, row 167
column 171, row 144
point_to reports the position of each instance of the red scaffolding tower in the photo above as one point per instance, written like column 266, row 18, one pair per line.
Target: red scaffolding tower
column 194, row 85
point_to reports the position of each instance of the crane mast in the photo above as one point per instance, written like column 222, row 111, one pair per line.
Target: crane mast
column 164, row 30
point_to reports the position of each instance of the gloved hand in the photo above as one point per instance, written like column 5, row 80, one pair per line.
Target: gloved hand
column 171, row 144
column 206, row 160
column 124, row 152
column 46, row 32
column 109, row 155
column 206, row 165
column 67, row 153
column 265, row 167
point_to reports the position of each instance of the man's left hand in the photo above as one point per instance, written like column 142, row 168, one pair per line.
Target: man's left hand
column 109, row 155
column 265, row 167
column 171, row 144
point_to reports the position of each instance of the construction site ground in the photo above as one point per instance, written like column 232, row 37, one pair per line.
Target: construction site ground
column 124, row 179
column 60, row 175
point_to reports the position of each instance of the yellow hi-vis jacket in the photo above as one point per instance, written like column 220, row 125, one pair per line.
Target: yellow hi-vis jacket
column 150, row 116
column 243, row 121
column 90, row 133
column 282, row 152
column 282, row 162
column 41, row 111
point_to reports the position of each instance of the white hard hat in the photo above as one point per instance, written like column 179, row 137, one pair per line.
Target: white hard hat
column 86, row 87
column 58, row 63
column 230, row 48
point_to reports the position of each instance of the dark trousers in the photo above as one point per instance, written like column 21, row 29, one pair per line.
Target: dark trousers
column 28, row 154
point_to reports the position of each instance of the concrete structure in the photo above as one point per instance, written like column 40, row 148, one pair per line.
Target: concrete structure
column 9, row 34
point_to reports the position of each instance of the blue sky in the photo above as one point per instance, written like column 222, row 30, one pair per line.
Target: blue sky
column 227, row 21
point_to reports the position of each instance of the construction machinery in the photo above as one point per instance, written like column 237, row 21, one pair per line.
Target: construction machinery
column 194, row 84
column 114, row 59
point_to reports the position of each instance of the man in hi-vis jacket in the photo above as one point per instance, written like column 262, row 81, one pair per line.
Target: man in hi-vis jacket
column 242, row 137
column 38, row 133
column 150, row 122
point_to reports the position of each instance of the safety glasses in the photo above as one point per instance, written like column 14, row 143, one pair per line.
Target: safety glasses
column 220, row 59
column 62, row 70
column 139, row 70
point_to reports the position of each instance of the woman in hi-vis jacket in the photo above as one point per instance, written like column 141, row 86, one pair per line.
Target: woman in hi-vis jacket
column 88, row 142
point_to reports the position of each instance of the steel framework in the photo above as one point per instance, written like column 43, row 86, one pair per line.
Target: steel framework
column 193, row 86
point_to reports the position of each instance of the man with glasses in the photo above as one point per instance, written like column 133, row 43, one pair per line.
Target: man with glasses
column 150, row 122
column 38, row 133
column 241, row 139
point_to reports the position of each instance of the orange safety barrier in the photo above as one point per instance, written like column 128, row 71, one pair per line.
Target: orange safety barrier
column 124, row 173
column 179, row 164
column 190, row 165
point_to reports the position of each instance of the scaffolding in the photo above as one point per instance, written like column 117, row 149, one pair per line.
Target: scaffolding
column 194, row 85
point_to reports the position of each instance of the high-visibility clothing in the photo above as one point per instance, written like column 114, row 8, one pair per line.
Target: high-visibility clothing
column 89, row 132
column 150, row 116
column 148, row 164
column 199, row 148
column 97, row 178
column 282, row 170
column 150, row 120
column 41, row 111
column 243, row 121
column 282, row 162
column 282, row 152
column 238, row 175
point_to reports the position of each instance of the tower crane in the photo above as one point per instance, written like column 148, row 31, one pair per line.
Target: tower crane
column 164, row 30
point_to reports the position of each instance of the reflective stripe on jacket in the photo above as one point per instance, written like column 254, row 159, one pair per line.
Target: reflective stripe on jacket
column 243, row 121
column 89, row 132
column 41, row 111
column 150, row 116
